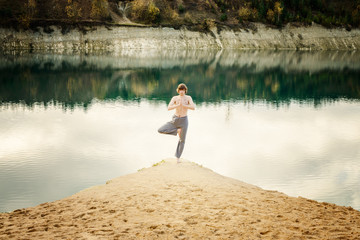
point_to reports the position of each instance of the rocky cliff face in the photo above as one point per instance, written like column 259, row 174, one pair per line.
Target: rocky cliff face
column 118, row 38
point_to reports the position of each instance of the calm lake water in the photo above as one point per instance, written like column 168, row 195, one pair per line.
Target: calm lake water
column 282, row 120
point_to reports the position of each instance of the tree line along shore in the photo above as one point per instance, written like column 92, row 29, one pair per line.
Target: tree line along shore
column 200, row 15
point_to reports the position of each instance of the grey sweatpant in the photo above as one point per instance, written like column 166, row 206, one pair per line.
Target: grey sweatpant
column 172, row 127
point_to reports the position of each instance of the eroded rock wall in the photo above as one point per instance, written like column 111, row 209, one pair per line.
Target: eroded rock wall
column 118, row 38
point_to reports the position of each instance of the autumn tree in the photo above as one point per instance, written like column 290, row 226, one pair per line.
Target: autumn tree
column 270, row 15
column 145, row 10
column 278, row 10
column 246, row 12
column 73, row 10
column 28, row 13
column 99, row 9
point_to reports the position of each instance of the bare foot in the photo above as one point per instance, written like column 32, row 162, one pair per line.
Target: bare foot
column 178, row 160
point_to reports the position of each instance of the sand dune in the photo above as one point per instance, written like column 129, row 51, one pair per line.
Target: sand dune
column 180, row 201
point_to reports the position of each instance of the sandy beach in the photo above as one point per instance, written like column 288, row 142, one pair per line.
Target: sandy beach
column 180, row 201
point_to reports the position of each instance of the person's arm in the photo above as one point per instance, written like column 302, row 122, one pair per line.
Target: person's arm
column 172, row 104
column 190, row 104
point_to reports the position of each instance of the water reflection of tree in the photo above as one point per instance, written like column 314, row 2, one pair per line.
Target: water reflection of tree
column 71, row 86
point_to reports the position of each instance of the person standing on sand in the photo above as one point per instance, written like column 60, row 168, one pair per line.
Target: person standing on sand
column 179, row 123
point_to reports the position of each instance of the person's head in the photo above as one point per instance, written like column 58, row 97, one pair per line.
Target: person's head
column 182, row 89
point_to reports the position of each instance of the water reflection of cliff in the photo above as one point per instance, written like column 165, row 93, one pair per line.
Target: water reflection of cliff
column 272, row 76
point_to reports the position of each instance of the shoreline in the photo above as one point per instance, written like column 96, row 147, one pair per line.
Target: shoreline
column 118, row 38
column 184, row 201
